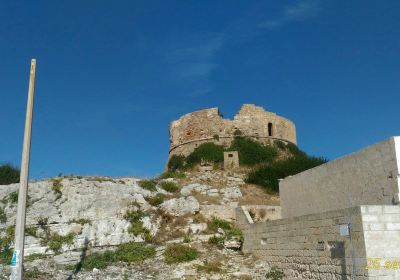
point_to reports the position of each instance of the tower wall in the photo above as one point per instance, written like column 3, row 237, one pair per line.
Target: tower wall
column 207, row 125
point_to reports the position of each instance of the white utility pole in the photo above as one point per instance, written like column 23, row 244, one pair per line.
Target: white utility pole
column 18, row 256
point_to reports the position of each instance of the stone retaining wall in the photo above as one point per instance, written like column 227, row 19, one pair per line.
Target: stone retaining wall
column 311, row 246
column 366, row 177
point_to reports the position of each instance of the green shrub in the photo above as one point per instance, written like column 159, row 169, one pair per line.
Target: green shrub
column 13, row 197
column 234, row 232
column 9, row 174
column 208, row 152
column 127, row 252
column 229, row 230
column 275, row 274
column 216, row 223
column 35, row 257
column 155, row 200
column 216, row 137
column 148, row 185
column 99, row 260
column 55, row 241
column 170, row 186
column 31, row 230
column 217, row 241
column 238, row 132
column 177, row 253
column 57, row 186
column 135, row 218
column 268, row 176
column 176, row 162
column 8, row 239
column 135, row 252
column 173, row 174
column 252, row 152
column 6, row 256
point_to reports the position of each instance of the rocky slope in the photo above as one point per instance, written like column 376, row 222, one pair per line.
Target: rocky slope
column 70, row 219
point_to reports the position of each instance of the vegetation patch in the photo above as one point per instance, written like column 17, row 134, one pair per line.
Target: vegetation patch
column 210, row 267
column 275, row 274
column 176, row 162
column 3, row 216
column 170, row 186
column 55, row 241
column 127, row 252
column 31, row 231
column 13, row 197
column 148, row 185
column 177, row 253
column 268, row 176
column 34, row 274
column 216, row 223
column 155, row 200
column 136, row 227
column 35, row 257
column 5, row 245
column 230, row 232
column 217, row 241
column 252, row 152
column 9, row 174
column 206, row 152
column 135, row 252
column 6, row 256
column 57, row 186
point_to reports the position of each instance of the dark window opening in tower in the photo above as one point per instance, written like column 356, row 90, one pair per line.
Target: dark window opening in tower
column 270, row 129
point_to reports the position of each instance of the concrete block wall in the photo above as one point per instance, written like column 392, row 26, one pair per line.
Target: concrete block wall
column 310, row 246
column 366, row 177
column 382, row 240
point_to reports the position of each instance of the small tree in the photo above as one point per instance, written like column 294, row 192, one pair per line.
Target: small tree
column 8, row 174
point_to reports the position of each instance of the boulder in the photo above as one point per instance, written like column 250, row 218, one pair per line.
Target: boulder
column 231, row 193
column 181, row 206
column 233, row 244
column 188, row 189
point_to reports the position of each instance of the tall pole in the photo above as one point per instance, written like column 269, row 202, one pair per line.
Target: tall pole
column 18, row 255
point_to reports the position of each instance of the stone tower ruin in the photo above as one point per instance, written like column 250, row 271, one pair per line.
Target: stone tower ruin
column 207, row 125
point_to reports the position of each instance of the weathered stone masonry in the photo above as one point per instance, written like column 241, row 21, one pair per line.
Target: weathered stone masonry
column 208, row 125
column 360, row 190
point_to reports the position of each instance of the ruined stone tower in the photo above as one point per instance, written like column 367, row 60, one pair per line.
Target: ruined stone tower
column 207, row 125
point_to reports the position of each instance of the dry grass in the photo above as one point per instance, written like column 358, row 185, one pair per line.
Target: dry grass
column 254, row 195
column 206, row 199
column 199, row 218
column 170, row 227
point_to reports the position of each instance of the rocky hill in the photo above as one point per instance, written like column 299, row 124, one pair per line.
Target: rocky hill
column 127, row 228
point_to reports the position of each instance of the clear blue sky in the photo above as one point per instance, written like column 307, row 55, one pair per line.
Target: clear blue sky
column 112, row 75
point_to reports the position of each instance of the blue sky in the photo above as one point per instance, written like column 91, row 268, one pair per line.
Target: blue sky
column 112, row 75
